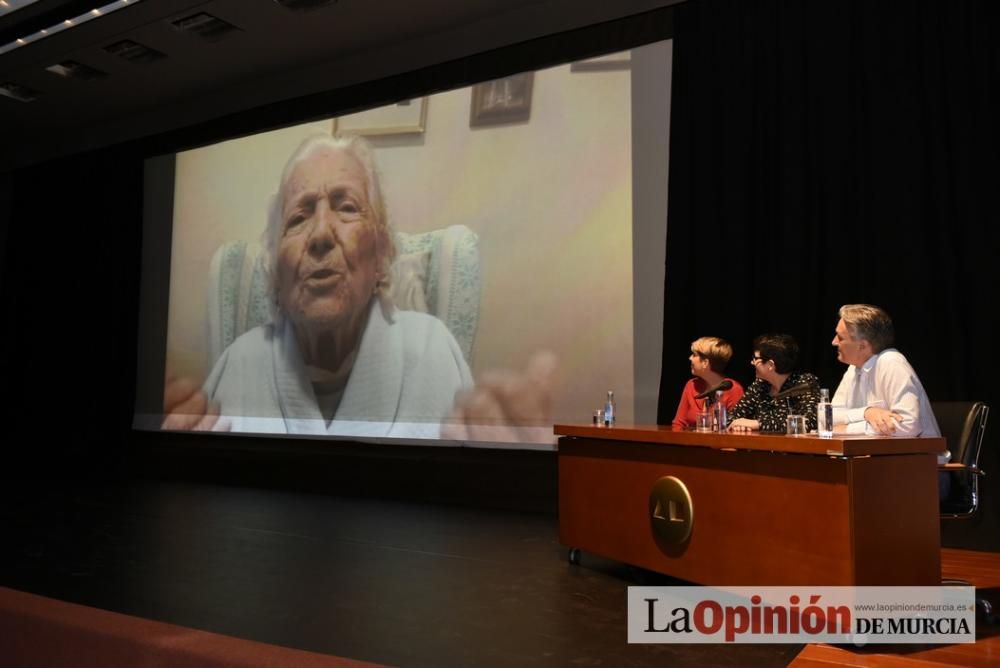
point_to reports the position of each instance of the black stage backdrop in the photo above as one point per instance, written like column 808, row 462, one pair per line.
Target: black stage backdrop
column 70, row 287
column 825, row 153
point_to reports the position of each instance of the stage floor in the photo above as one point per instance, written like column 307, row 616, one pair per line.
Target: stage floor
column 366, row 579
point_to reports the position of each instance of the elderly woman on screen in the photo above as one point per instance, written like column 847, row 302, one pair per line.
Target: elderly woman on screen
column 763, row 407
column 337, row 358
column 709, row 357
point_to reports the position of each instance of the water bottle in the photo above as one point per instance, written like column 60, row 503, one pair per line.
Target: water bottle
column 609, row 410
column 824, row 415
column 720, row 412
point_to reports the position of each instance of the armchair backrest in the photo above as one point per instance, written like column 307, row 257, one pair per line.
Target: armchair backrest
column 436, row 272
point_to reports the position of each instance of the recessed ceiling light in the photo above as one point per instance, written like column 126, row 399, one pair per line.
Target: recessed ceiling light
column 18, row 92
column 205, row 26
column 71, row 69
column 7, row 6
column 134, row 52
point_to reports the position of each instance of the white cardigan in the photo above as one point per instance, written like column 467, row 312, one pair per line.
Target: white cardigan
column 403, row 383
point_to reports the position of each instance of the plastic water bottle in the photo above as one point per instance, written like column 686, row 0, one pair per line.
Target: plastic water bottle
column 824, row 415
column 609, row 410
column 720, row 412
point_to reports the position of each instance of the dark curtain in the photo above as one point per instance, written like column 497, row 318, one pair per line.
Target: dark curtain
column 69, row 295
column 825, row 153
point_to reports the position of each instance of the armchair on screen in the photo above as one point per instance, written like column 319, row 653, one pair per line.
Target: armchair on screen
column 963, row 424
column 436, row 272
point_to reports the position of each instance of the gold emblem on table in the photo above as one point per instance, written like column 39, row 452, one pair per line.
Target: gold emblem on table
column 671, row 512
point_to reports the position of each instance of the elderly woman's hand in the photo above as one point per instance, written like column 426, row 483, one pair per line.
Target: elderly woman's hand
column 506, row 406
column 186, row 408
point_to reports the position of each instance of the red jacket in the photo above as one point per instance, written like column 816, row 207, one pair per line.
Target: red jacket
column 688, row 409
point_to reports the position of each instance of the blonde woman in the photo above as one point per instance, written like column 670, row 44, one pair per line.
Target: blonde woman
column 709, row 357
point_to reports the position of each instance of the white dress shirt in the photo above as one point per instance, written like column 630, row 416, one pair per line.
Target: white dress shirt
column 886, row 380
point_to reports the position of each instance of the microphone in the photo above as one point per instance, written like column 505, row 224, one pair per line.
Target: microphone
column 796, row 391
column 724, row 385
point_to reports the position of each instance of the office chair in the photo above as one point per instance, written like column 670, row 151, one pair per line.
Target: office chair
column 963, row 424
column 435, row 272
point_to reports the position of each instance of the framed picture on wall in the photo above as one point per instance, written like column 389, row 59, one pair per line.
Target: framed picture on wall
column 403, row 118
column 502, row 101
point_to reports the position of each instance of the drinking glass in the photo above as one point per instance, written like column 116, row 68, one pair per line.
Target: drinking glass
column 796, row 425
column 705, row 419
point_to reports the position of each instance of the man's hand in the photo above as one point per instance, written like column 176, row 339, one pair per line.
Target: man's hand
column 882, row 420
column 186, row 407
column 743, row 425
column 506, row 406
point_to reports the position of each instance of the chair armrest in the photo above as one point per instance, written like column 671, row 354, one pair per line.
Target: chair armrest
column 954, row 466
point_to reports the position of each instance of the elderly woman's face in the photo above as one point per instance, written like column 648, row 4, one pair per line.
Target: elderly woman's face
column 328, row 255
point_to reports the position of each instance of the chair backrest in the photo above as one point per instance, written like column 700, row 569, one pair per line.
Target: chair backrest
column 436, row 272
column 963, row 424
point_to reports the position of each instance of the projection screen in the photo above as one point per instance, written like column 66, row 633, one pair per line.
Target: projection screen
column 527, row 217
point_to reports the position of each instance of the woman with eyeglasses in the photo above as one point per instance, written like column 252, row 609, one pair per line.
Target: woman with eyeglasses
column 778, row 391
column 709, row 357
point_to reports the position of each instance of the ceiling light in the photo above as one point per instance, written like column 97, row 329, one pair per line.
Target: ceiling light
column 71, row 69
column 204, row 25
column 134, row 52
column 13, row 5
column 18, row 92
column 9, row 6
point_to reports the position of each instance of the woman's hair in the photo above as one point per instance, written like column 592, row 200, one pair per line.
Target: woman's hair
column 870, row 323
column 717, row 351
column 385, row 247
column 781, row 348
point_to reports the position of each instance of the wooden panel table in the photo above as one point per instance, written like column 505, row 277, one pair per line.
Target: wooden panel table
column 765, row 509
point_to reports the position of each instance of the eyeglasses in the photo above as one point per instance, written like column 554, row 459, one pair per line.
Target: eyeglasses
column 755, row 359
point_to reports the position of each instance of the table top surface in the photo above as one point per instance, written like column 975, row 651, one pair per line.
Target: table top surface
column 841, row 445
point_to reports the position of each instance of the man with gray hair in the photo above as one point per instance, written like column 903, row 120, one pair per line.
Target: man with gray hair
column 880, row 392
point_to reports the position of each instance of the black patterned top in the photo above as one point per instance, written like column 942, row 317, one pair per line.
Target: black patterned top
column 758, row 404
